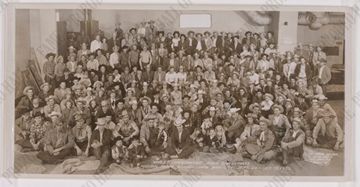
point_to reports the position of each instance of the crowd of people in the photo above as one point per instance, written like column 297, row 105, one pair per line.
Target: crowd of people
column 144, row 93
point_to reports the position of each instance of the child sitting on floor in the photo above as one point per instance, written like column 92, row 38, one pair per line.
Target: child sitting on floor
column 119, row 152
column 136, row 153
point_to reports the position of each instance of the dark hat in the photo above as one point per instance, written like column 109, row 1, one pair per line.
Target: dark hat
column 248, row 32
column 190, row 32
column 50, row 54
column 206, row 32
column 132, row 29
column 160, row 32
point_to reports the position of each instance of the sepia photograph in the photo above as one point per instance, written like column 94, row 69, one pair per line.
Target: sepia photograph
column 179, row 92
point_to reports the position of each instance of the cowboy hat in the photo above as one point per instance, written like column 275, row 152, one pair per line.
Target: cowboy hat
column 281, row 108
column 44, row 84
column 49, row 55
column 298, row 120
column 100, row 122
column 54, row 113
column 145, row 98
column 179, row 121
column 27, row 88
column 50, row 97
column 297, row 109
column 321, row 97
column 268, row 95
column 252, row 106
column 98, row 83
column 265, row 121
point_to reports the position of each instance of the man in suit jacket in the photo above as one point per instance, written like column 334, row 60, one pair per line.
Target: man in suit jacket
column 236, row 46
column 190, row 43
column 113, row 41
column 303, row 70
column 159, row 75
column 180, row 144
column 100, row 142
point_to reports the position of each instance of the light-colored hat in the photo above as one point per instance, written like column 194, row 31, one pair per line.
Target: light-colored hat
column 268, row 95
column 100, row 121
column 212, row 108
column 27, row 88
column 321, row 97
column 44, row 84
column 281, row 108
column 97, row 83
column 234, row 110
column 297, row 109
column 145, row 98
column 54, row 113
column 264, row 120
column 50, row 97
column 179, row 121
column 252, row 106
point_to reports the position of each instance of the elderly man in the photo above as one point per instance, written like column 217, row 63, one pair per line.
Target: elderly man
column 293, row 141
column 236, row 126
column 100, row 142
column 25, row 103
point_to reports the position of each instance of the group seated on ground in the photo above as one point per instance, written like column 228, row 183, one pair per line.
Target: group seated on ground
column 140, row 94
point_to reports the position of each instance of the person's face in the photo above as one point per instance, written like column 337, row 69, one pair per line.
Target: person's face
column 276, row 111
column 250, row 120
column 101, row 127
column 30, row 93
column 54, row 119
column 145, row 103
column 38, row 119
column 125, row 116
column 211, row 112
column 154, row 109
column 104, row 105
column 263, row 126
column 119, row 143
column 51, row 102
column 296, row 126
column 315, row 105
column 97, row 38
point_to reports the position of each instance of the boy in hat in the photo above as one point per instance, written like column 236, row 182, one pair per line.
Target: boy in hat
column 49, row 68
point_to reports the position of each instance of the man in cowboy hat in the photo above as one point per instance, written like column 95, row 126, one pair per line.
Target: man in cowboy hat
column 180, row 145
column 100, row 142
column 293, row 141
column 51, row 106
column 327, row 133
column 25, row 103
column 261, row 149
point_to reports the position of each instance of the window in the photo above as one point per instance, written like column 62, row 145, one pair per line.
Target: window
column 195, row 21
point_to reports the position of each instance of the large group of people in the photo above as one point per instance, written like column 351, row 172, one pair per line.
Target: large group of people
column 144, row 93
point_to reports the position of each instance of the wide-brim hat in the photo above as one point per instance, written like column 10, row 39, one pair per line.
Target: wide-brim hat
column 44, row 84
column 251, row 115
column 98, row 83
column 49, row 55
column 163, row 96
column 268, row 95
column 264, row 120
column 80, row 100
column 321, row 97
column 54, row 113
column 49, row 98
column 27, row 88
column 131, row 29
column 281, row 108
column 179, row 121
column 298, row 110
column 100, row 121
column 145, row 98
column 252, row 106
